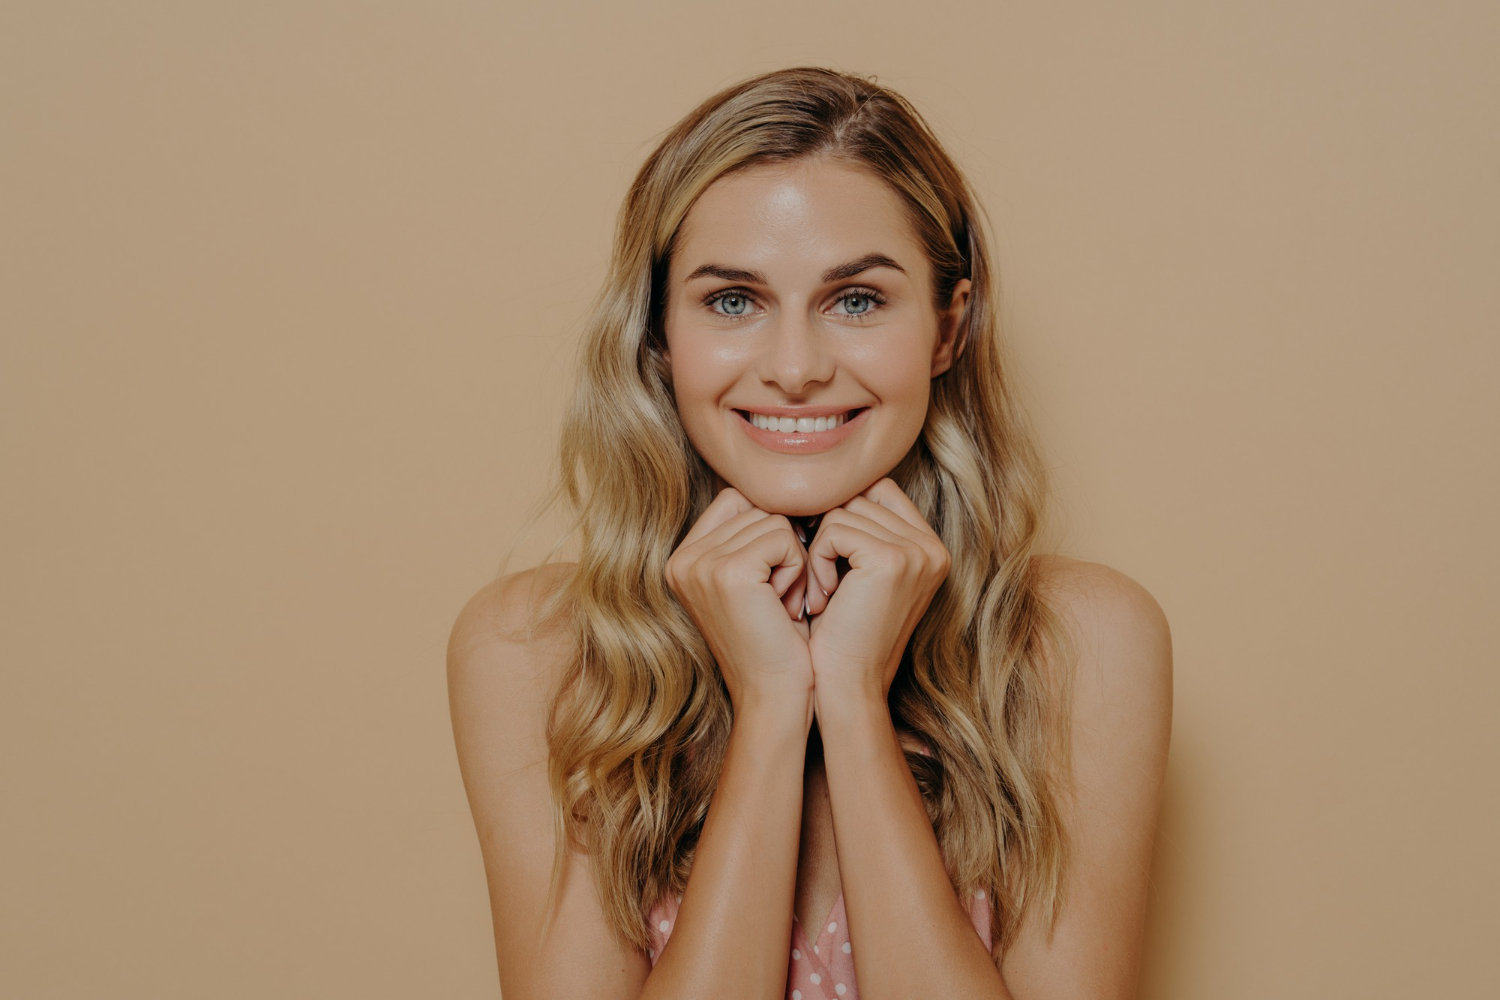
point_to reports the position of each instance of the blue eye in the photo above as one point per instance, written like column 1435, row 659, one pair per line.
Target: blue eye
column 871, row 298
column 732, row 296
column 738, row 303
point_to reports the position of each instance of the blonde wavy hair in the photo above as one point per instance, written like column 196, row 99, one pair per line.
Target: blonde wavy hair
column 638, row 725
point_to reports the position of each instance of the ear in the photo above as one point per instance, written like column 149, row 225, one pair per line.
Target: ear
column 950, row 323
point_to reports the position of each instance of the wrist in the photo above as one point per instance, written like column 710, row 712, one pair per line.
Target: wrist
column 775, row 712
column 849, row 702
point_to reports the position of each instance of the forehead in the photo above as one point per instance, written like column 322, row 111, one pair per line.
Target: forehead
column 809, row 213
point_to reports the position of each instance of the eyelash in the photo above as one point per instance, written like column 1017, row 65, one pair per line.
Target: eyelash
column 875, row 297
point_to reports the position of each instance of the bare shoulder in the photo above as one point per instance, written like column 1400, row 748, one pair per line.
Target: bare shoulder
column 501, row 611
column 504, row 665
column 1120, row 728
column 1120, row 631
column 1120, row 670
column 1099, row 594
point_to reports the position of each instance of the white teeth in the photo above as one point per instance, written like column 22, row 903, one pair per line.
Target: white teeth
column 799, row 425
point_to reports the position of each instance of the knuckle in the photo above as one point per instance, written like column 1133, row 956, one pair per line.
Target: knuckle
column 722, row 574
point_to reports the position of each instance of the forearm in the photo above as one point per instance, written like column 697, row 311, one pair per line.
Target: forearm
column 734, row 925
column 910, row 935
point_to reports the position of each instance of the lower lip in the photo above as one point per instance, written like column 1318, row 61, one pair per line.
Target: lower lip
column 802, row 442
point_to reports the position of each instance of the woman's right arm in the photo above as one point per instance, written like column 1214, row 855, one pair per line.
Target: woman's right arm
column 498, row 694
column 737, row 573
column 732, row 939
column 733, row 927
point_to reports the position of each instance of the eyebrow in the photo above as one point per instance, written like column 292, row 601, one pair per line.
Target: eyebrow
column 833, row 274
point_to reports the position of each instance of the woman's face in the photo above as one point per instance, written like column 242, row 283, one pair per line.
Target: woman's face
column 798, row 292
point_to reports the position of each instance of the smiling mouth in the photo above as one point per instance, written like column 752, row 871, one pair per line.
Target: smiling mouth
column 799, row 425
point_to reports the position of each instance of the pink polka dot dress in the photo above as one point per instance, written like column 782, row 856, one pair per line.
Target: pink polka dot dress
column 822, row 965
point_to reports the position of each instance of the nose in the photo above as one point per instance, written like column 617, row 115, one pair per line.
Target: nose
column 795, row 354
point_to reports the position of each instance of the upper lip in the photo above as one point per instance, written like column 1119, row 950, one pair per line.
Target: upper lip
column 798, row 411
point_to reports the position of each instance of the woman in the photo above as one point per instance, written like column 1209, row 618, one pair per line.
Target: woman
column 810, row 661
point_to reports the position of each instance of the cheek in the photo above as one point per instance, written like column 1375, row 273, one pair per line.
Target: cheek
column 699, row 371
column 692, row 375
column 699, row 381
column 903, row 377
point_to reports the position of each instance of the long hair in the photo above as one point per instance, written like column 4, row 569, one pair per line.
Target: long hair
column 638, row 726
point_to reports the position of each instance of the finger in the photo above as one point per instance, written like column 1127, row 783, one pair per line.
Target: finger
column 817, row 597
column 889, row 519
column 785, row 577
column 878, row 520
column 767, row 548
column 918, row 533
column 821, row 581
column 823, row 575
column 897, row 535
column 887, row 494
column 782, row 550
column 872, row 530
column 706, row 536
column 718, row 536
column 795, row 598
column 840, row 538
column 728, row 504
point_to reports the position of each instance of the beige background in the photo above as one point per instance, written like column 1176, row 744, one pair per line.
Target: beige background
column 290, row 292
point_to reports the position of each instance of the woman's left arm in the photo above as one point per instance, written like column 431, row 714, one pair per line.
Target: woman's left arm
column 910, row 935
column 1121, row 724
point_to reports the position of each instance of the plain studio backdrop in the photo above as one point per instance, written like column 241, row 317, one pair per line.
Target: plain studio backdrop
column 289, row 295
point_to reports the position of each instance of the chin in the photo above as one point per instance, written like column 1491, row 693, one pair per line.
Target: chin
column 793, row 502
